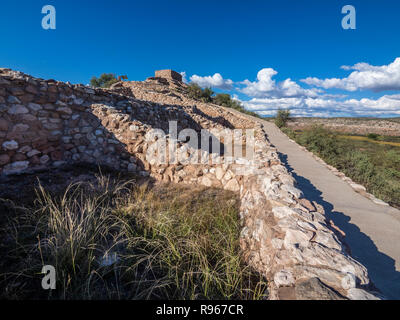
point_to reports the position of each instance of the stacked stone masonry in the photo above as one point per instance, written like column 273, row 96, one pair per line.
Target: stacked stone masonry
column 169, row 74
column 46, row 123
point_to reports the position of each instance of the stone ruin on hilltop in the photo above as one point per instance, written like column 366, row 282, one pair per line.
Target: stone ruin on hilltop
column 168, row 74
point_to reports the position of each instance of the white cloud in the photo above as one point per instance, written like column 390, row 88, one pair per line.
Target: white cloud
column 265, row 86
column 183, row 74
column 267, row 95
column 365, row 77
column 388, row 105
column 215, row 81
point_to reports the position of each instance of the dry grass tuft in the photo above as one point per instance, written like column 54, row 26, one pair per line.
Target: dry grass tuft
column 117, row 240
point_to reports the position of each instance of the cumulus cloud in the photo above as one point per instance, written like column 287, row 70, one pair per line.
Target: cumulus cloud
column 265, row 86
column 388, row 105
column 215, row 81
column 266, row 95
column 365, row 77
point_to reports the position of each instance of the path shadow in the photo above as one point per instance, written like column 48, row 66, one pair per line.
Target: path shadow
column 381, row 267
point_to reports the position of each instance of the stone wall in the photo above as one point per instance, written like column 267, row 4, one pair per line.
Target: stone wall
column 285, row 237
column 48, row 123
column 169, row 74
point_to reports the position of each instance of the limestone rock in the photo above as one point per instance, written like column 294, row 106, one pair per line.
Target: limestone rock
column 10, row 145
column 296, row 237
column 284, row 278
column 12, row 99
column 360, row 294
column 16, row 167
column 206, row 181
column 314, row 289
column 282, row 212
column 34, row 107
column 17, row 109
column 4, row 125
column 4, row 159
column 232, row 185
column 294, row 191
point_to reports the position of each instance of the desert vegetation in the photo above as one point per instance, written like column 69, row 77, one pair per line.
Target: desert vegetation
column 282, row 117
column 105, row 80
column 371, row 160
column 118, row 238
column 194, row 91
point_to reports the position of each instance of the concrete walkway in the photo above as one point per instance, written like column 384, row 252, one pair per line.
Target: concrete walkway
column 372, row 230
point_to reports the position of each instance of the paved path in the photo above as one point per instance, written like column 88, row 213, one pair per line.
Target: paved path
column 372, row 230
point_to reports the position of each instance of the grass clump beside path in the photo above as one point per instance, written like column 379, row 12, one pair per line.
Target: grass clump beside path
column 117, row 240
column 370, row 163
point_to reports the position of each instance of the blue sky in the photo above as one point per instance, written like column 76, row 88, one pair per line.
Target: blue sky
column 268, row 54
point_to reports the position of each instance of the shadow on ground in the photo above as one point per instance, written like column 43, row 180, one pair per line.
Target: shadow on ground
column 381, row 267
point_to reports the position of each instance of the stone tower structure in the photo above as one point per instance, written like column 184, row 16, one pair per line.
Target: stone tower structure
column 168, row 74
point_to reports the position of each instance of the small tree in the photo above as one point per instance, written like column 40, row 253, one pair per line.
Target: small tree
column 282, row 117
column 223, row 99
column 104, row 81
column 207, row 95
column 194, row 91
column 373, row 136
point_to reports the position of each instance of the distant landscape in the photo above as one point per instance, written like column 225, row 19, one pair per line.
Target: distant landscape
column 362, row 126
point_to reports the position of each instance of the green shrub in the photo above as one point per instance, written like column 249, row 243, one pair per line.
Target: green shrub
column 289, row 132
column 321, row 141
column 194, row 91
column 359, row 164
column 282, row 117
column 372, row 136
column 392, row 159
column 207, row 95
column 223, row 99
column 104, row 81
